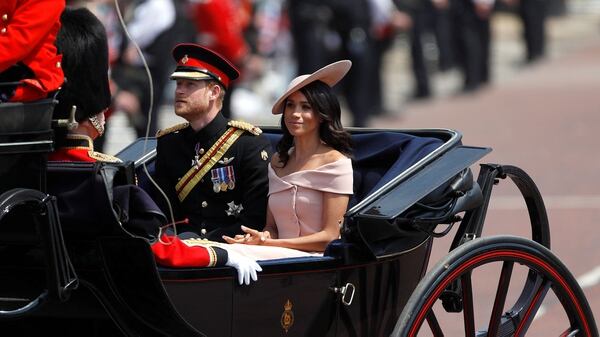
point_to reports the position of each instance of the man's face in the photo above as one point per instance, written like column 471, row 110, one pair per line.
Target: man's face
column 192, row 98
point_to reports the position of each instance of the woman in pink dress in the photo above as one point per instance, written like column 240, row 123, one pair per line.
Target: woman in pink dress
column 310, row 175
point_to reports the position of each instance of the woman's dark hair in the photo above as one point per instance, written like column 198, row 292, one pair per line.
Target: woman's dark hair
column 83, row 44
column 324, row 102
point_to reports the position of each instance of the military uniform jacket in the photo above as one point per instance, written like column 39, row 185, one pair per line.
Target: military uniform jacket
column 28, row 30
column 232, row 193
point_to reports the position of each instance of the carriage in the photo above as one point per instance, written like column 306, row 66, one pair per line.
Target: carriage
column 67, row 274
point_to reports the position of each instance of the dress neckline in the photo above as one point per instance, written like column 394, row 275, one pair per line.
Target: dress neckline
column 318, row 168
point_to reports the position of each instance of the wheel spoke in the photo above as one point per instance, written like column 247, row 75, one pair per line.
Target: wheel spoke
column 570, row 333
column 467, row 299
column 452, row 279
column 532, row 308
column 501, row 293
column 434, row 325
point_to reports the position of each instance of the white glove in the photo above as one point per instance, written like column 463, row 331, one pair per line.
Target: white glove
column 246, row 267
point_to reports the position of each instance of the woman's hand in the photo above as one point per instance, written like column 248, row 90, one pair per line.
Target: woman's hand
column 252, row 237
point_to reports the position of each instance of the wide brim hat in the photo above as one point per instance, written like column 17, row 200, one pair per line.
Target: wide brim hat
column 196, row 62
column 330, row 75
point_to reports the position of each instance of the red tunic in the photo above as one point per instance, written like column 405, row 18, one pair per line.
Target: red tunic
column 221, row 28
column 171, row 251
column 79, row 148
column 28, row 30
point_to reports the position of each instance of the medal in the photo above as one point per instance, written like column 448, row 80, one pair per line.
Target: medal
column 230, row 178
column 198, row 151
column 223, row 179
column 216, row 180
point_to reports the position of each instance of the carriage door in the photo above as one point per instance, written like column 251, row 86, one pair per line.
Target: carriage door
column 371, row 297
column 287, row 300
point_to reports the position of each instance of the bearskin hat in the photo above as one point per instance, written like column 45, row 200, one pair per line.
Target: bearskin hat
column 83, row 44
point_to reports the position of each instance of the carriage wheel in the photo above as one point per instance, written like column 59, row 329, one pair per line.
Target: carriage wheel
column 544, row 272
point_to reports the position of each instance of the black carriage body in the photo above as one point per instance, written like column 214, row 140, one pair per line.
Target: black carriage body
column 298, row 298
column 25, row 140
column 363, row 281
column 359, row 287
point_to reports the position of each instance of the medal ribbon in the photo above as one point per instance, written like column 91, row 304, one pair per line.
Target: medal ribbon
column 222, row 176
column 210, row 158
column 230, row 174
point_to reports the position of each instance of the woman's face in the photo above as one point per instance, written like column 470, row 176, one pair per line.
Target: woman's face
column 299, row 116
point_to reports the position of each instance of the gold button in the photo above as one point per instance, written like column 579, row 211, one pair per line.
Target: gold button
column 201, row 151
column 3, row 30
column 203, row 231
column 204, row 204
column 57, row 64
column 4, row 17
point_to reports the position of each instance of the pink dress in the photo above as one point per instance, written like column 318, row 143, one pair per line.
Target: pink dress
column 296, row 202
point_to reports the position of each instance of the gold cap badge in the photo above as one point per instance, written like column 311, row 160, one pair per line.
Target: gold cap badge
column 185, row 59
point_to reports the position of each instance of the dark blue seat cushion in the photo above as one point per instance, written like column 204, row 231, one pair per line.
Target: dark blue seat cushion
column 381, row 156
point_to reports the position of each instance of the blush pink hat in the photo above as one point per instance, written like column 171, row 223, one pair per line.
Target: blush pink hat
column 330, row 74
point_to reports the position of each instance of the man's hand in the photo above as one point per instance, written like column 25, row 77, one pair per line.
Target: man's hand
column 246, row 268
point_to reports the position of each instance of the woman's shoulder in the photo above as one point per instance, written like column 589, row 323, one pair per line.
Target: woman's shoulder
column 332, row 155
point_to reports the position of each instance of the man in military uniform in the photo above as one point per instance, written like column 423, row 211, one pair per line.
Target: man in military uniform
column 213, row 171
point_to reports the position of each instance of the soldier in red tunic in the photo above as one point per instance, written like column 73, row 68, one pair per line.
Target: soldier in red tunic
column 30, row 67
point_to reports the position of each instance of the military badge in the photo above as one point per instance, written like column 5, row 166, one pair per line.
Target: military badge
column 223, row 178
column 287, row 318
column 234, row 210
column 198, row 151
column 185, row 59
column 264, row 155
column 226, row 160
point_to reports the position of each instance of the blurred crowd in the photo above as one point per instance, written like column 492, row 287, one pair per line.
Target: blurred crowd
column 271, row 41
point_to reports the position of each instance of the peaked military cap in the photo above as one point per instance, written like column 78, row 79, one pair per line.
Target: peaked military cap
column 195, row 62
